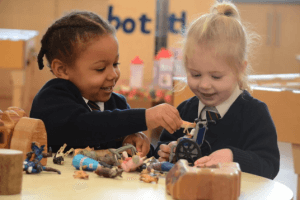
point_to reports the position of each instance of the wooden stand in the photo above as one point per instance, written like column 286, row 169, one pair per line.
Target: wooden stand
column 220, row 183
column 11, row 171
column 18, row 132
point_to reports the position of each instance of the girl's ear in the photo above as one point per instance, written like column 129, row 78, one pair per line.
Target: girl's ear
column 244, row 66
column 59, row 69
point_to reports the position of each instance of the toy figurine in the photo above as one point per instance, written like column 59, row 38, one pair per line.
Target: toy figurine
column 76, row 151
column 108, row 159
column 149, row 178
column 81, row 160
column 81, row 174
column 109, row 172
column 187, row 125
column 129, row 164
column 188, row 147
column 59, row 156
column 32, row 162
column 160, row 166
column 108, row 156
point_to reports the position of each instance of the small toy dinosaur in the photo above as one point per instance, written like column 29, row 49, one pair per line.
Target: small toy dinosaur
column 148, row 178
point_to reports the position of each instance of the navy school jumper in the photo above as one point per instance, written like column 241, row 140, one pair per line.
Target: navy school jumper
column 247, row 129
column 68, row 119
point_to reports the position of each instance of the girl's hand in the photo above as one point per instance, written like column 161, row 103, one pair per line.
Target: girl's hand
column 163, row 115
column 219, row 156
column 165, row 150
column 140, row 141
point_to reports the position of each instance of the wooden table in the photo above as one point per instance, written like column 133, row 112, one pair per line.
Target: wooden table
column 50, row 185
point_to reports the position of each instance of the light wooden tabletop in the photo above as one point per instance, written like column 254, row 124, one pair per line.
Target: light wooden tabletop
column 50, row 185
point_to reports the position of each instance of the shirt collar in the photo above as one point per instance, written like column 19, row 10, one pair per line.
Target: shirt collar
column 100, row 104
column 224, row 106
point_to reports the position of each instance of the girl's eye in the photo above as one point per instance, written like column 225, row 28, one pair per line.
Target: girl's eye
column 101, row 69
column 196, row 75
column 116, row 64
column 216, row 77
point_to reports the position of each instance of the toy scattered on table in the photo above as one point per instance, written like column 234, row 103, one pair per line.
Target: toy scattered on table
column 18, row 131
column 220, row 183
column 160, row 166
column 109, row 172
column 78, row 150
column 118, row 151
column 187, row 148
column 81, row 174
column 32, row 164
column 108, row 157
column 59, row 156
column 81, row 160
column 131, row 164
column 148, row 178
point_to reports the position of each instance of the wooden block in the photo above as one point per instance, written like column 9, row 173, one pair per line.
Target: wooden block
column 220, row 183
column 11, row 171
column 9, row 119
column 26, row 131
column 18, row 110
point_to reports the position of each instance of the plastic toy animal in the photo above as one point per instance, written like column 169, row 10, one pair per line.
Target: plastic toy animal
column 160, row 166
column 109, row 172
column 131, row 164
column 109, row 156
column 32, row 162
column 81, row 174
column 76, row 151
column 148, row 178
column 186, row 125
column 59, row 156
column 107, row 159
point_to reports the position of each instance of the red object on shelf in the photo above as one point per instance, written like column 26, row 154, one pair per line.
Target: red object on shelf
column 137, row 60
column 164, row 53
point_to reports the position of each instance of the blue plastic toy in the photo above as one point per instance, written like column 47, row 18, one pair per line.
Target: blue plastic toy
column 32, row 164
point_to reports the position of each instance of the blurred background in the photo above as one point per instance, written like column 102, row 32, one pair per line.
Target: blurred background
column 150, row 35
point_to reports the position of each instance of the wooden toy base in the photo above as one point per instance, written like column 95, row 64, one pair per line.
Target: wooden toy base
column 18, row 131
column 220, row 183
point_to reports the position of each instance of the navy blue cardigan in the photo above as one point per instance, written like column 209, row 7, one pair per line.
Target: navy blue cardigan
column 69, row 120
column 247, row 129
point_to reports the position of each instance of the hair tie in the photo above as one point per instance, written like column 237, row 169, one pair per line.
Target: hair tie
column 228, row 13
column 40, row 58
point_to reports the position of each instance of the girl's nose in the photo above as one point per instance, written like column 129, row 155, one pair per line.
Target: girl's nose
column 204, row 83
column 113, row 73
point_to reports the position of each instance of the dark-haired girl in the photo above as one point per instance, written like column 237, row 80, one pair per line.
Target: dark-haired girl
column 79, row 107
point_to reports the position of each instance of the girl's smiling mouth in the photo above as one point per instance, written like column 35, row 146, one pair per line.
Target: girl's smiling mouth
column 107, row 89
column 207, row 95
